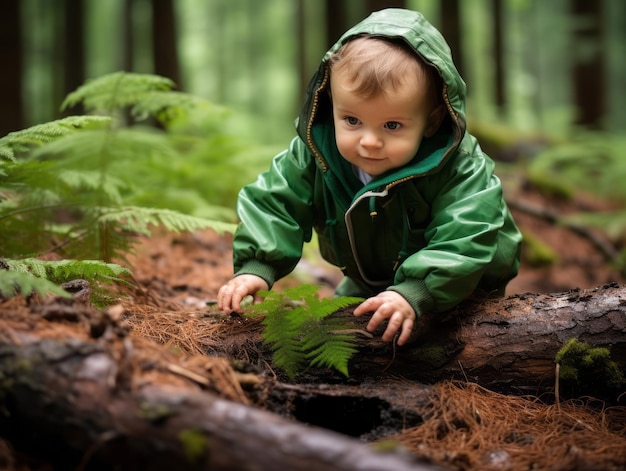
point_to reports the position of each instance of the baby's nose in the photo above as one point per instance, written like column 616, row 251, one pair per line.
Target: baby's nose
column 370, row 139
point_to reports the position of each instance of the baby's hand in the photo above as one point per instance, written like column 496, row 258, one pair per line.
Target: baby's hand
column 389, row 305
column 232, row 293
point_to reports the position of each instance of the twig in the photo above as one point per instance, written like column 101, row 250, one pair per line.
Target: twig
column 179, row 370
column 606, row 248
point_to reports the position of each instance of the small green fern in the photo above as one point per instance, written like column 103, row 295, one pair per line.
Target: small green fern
column 301, row 333
column 13, row 282
column 43, row 277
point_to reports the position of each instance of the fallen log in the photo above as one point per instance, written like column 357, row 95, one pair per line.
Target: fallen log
column 502, row 342
column 92, row 398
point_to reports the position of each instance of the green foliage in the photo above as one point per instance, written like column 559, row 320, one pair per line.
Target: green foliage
column 301, row 333
column 35, row 136
column 194, row 444
column 588, row 366
column 31, row 275
column 13, row 282
column 591, row 163
column 537, row 253
column 84, row 186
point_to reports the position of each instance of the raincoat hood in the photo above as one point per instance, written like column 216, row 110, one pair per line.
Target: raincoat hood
column 429, row 44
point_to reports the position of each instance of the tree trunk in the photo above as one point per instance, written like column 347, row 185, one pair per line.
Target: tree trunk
column 589, row 63
column 12, row 116
column 337, row 21
column 74, row 49
column 450, row 15
column 165, row 40
column 498, row 55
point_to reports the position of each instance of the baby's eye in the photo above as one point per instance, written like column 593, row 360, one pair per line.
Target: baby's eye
column 351, row 120
column 393, row 125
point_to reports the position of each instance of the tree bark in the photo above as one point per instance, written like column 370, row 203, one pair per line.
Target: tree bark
column 12, row 116
column 507, row 342
column 450, row 17
column 165, row 41
column 589, row 63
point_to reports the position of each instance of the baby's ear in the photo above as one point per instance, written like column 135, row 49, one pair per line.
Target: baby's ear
column 435, row 119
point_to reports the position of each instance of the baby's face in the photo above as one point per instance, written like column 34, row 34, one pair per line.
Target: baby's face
column 380, row 133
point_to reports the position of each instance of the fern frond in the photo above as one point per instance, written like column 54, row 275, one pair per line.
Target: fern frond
column 139, row 219
column 321, row 308
column 100, row 275
column 35, row 136
column 115, row 91
column 16, row 282
column 166, row 107
column 299, row 331
column 62, row 271
column 334, row 353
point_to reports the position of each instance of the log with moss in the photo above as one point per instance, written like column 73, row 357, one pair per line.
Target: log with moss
column 515, row 342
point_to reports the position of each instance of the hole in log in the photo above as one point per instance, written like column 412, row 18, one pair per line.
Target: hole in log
column 363, row 417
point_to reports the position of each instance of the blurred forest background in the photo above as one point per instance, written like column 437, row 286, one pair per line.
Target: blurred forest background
column 547, row 66
column 545, row 98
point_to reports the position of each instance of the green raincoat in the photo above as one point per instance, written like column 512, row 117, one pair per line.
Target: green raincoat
column 435, row 231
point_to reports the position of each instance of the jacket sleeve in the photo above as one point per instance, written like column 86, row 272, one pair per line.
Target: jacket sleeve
column 275, row 214
column 467, row 213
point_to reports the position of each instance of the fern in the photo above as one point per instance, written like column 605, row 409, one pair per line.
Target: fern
column 35, row 136
column 140, row 219
column 28, row 275
column 84, row 187
column 13, row 282
column 301, row 333
column 144, row 95
column 115, row 91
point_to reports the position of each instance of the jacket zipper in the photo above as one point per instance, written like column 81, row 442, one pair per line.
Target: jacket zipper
column 309, row 125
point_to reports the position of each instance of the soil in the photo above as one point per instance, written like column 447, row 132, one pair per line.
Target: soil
column 183, row 273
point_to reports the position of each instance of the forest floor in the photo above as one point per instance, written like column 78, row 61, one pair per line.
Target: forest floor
column 183, row 272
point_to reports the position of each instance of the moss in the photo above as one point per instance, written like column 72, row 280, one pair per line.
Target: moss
column 588, row 366
column 537, row 253
column 548, row 185
column 195, row 444
column 386, row 446
column 156, row 413
column 433, row 355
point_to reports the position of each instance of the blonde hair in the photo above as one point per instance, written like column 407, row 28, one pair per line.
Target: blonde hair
column 375, row 66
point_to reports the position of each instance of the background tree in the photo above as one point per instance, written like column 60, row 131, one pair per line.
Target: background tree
column 451, row 29
column 589, row 62
column 164, row 40
column 73, row 46
column 11, row 117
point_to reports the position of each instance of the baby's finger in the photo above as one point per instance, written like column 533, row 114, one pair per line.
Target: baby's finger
column 223, row 299
column 407, row 328
column 379, row 316
column 365, row 307
column 395, row 321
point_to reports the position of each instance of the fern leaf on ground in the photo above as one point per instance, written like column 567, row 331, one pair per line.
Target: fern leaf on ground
column 301, row 333
column 18, row 282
